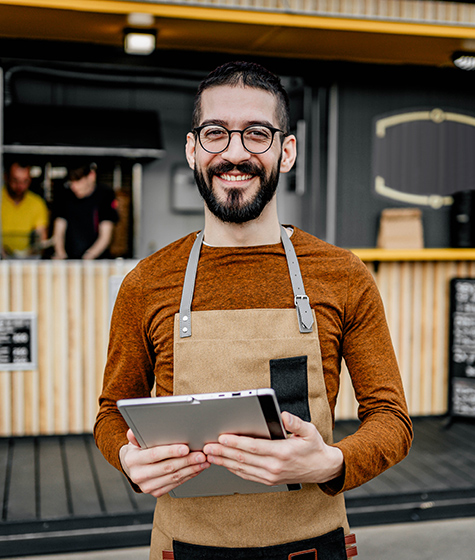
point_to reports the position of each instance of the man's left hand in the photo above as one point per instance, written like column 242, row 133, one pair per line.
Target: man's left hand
column 301, row 458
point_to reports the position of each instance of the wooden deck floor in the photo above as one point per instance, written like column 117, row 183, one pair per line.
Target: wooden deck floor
column 58, row 494
column 435, row 481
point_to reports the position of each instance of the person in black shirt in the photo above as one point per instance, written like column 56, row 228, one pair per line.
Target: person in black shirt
column 85, row 216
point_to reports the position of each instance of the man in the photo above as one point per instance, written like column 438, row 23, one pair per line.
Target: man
column 24, row 214
column 85, row 217
column 250, row 328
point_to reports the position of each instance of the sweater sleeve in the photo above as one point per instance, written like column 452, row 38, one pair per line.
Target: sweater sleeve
column 129, row 368
column 385, row 434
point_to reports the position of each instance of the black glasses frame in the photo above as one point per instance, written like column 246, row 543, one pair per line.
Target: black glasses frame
column 273, row 130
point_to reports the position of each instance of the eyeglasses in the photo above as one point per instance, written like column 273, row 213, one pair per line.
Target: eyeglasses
column 256, row 138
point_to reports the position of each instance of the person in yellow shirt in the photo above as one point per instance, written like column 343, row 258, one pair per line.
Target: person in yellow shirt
column 24, row 214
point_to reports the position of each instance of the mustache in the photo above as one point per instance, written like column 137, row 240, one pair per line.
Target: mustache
column 246, row 167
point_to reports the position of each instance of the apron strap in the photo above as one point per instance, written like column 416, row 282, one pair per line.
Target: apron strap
column 189, row 287
column 302, row 303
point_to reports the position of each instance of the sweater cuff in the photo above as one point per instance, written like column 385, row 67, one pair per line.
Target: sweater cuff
column 336, row 485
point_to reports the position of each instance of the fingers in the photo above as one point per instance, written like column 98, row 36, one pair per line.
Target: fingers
column 272, row 461
column 158, row 470
column 132, row 439
column 253, row 459
column 297, row 426
column 158, row 479
column 156, row 455
column 254, row 446
column 250, row 466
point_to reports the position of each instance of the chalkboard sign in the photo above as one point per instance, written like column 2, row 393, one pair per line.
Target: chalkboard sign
column 18, row 341
column 462, row 347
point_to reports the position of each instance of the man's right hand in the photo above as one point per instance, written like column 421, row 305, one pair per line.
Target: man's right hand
column 158, row 470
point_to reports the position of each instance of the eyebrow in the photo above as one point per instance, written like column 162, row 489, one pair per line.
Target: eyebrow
column 224, row 123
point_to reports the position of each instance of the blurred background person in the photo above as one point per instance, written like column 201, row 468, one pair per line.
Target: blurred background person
column 24, row 214
column 85, row 214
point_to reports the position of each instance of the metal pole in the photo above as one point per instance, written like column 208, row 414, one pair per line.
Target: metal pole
column 137, row 179
column 332, row 176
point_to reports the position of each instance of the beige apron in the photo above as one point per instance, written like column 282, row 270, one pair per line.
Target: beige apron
column 230, row 351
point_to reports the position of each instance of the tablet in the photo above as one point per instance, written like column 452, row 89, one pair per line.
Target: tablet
column 199, row 419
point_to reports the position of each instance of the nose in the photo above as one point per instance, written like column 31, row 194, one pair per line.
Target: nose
column 235, row 152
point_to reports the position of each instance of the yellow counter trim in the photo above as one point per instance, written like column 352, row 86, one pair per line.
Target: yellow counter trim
column 254, row 17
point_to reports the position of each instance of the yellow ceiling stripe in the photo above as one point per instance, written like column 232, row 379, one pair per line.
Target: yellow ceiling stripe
column 254, row 17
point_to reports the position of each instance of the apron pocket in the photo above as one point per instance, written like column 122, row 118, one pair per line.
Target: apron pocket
column 328, row 547
column 288, row 378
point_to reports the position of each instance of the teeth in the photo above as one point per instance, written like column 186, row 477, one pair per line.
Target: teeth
column 236, row 177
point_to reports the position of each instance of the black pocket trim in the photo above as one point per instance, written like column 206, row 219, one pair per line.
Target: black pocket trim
column 288, row 377
column 329, row 547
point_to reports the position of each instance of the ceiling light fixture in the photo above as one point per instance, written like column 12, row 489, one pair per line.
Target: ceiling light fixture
column 139, row 41
column 140, row 38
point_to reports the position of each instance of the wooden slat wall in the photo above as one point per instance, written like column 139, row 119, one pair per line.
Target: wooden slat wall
column 72, row 302
column 416, row 300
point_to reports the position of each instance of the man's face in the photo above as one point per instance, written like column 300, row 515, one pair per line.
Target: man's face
column 18, row 181
column 85, row 186
column 235, row 184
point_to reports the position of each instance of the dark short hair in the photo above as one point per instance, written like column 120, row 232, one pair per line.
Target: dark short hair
column 21, row 162
column 245, row 74
column 79, row 170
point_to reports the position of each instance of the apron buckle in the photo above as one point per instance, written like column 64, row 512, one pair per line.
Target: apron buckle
column 304, row 312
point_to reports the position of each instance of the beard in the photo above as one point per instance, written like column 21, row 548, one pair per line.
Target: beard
column 234, row 209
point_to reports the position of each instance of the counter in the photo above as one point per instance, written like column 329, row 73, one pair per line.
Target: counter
column 72, row 300
column 414, row 286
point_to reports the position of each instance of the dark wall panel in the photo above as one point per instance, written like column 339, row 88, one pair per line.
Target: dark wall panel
column 369, row 92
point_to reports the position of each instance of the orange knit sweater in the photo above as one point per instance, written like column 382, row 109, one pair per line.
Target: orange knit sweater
column 351, row 324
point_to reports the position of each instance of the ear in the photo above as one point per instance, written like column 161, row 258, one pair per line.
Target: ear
column 289, row 153
column 190, row 149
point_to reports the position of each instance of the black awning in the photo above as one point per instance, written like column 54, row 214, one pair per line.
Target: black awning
column 34, row 129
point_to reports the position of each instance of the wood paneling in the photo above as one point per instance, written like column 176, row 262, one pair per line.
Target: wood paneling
column 416, row 300
column 72, row 302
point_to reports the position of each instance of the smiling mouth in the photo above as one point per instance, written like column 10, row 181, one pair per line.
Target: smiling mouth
column 235, row 177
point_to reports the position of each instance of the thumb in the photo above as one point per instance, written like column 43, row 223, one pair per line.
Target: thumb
column 296, row 425
column 132, row 439
column 291, row 422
